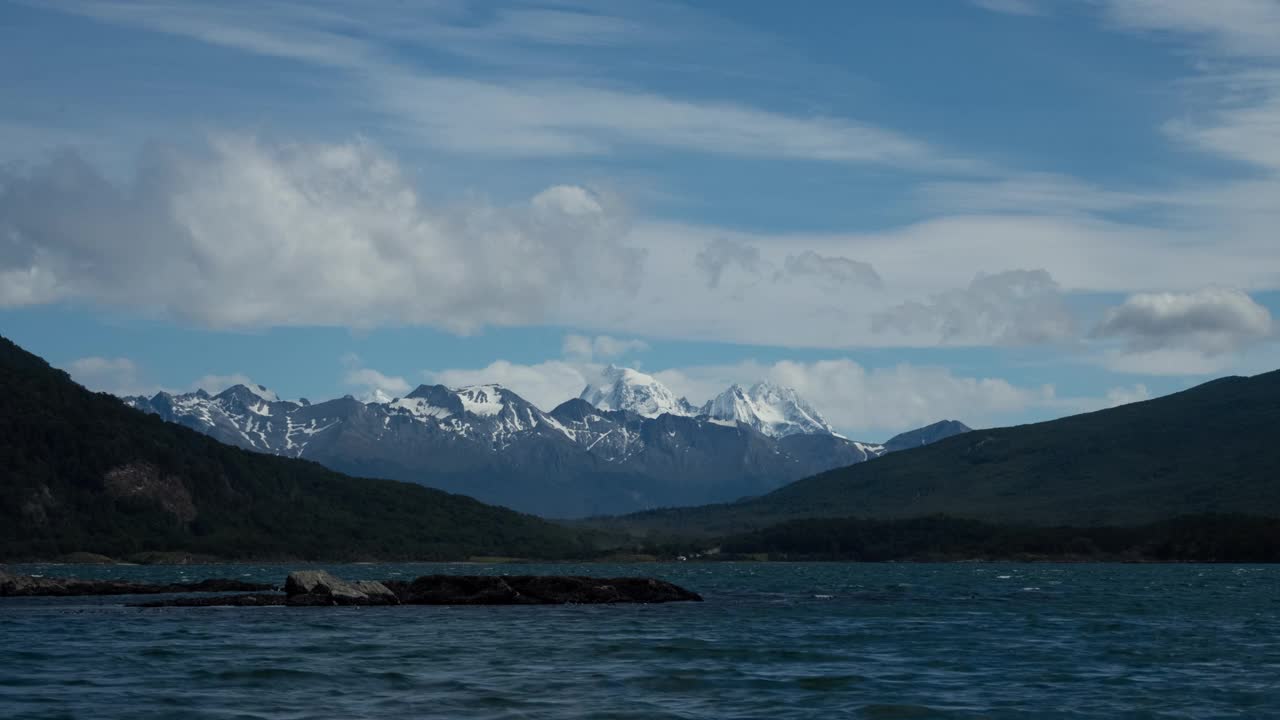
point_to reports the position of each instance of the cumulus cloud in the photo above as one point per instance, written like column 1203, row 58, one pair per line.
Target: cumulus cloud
column 122, row 376
column 831, row 270
column 545, row 384
column 1118, row 396
column 1210, row 321
column 855, row 399
column 247, row 234
column 586, row 348
column 867, row 403
column 722, row 254
column 372, row 385
column 880, row 401
column 118, row 376
column 1014, row 307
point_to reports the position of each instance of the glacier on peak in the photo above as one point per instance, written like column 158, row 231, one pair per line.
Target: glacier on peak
column 631, row 390
column 770, row 409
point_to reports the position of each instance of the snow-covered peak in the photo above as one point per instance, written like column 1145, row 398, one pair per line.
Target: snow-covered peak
column 771, row 409
column 258, row 391
column 626, row 389
column 484, row 400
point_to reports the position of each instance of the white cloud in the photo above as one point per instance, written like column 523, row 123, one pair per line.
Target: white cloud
column 1211, row 321
column 832, row 271
column 1236, row 108
column 1033, row 194
column 118, row 376
column 1233, row 27
column 722, row 254
column 1168, row 361
column 536, row 117
column 855, row 399
column 545, row 384
column 1124, row 395
column 866, row 403
column 373, row 386
column 122, row 376
column 878, row 401
column 252, row 235
column 1011, row 307
column 584, row 348
column 1011, row 7
column 1188, row 333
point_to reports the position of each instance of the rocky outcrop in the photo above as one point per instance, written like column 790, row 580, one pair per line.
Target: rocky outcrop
column 263, row 600
column 317, row 587
column 536, row 590
column 28, row 586
column 144, row 481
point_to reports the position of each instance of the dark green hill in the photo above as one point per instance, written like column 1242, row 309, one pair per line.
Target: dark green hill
column 1212, row 449
column 80, row 471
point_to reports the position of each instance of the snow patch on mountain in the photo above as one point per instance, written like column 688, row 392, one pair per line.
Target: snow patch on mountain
column 770, row 409
column 418, row 408
column 483, row 400
column 633, row 391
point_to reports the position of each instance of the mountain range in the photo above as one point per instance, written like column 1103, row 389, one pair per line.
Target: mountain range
column 1193, row 476
column 626, row 444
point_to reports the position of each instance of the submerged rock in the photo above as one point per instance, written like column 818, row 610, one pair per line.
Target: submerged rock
column 29, row 586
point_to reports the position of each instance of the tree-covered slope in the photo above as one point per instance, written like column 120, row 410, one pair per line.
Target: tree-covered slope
column 80, row 471
column 1210, row 449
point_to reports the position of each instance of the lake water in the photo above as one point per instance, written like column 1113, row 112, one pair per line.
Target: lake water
column 771, row 641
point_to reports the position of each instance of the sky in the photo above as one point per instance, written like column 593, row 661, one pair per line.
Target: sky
column 996, row 211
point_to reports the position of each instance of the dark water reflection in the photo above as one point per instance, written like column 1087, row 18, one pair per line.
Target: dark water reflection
column 771, row 641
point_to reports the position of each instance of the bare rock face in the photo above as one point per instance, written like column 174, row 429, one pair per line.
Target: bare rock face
column 317, row 587
column 145, row 481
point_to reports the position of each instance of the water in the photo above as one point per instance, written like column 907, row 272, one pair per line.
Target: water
column 771, row 641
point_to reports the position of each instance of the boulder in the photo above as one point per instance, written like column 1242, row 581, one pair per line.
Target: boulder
column 317, row 587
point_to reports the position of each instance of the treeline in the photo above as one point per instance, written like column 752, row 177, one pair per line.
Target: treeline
column 1191, row 538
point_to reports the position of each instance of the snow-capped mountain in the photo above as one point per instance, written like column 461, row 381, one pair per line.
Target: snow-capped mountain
column 768, row 409
column 631, row 390
column 639, row 447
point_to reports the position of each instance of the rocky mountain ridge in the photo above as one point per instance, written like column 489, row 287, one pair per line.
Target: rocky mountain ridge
column 636, row 446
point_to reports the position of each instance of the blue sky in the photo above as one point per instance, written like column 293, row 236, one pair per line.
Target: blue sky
column 996, row 211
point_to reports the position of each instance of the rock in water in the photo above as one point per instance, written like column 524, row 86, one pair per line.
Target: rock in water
column 536, row 590
column 317, row 587
column 28, row 586
column 265, row 600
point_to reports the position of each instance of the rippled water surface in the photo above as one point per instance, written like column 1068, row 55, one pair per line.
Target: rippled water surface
column 771, row 641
